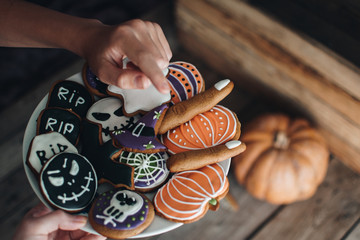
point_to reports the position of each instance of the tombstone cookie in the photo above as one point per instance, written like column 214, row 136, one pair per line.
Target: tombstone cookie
column 68, row 181
column 45, row 146
column 109, row 113
column 60, row 120
column 70, row 95
column 121, row 213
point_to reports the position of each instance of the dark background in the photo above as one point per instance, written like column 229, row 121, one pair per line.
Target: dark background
column 24, row 68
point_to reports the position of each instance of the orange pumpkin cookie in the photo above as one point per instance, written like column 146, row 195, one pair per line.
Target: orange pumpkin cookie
column 205, row 130
column 188, row 195
column 185, row 81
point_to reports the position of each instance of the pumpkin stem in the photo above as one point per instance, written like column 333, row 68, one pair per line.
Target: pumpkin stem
column 281, row 141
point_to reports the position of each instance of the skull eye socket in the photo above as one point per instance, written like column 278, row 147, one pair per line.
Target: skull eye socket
column 121, row 197
column 74, row 170
column 101, row 116
column 130, row 201
column 56, row 181
column 119, row 112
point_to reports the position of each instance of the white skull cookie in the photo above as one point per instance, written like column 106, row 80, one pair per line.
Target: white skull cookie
column 68, row 182
column 121, row 213
column 109, row 113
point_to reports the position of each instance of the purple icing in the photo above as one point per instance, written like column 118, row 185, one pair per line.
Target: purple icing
column 177, row 84
column 108, row 209
column 94, row 82
column 150, row 170
column 141, row 136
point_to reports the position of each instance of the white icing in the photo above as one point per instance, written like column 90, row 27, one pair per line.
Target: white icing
column 142, row 162
column 140, row 99
column 221, row 84
column 45, row 146
column 203, row 196
column 206, row 121
column 111, row 214
column 109, row 106
column 233, row 144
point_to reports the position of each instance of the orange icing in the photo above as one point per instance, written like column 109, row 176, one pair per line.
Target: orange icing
column 186, row 195
column 205, row 130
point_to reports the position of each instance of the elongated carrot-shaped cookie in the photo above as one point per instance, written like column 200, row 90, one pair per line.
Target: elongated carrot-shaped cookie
column 191, row 160
column 202, row 102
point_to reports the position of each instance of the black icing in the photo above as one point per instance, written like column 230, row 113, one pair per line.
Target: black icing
column 69, row 181
column 100, row 155
column 60, row 120
column 70, row 95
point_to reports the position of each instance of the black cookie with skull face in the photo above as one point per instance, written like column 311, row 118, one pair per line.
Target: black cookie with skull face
column 68, row 181
column 108, row 112
column 121, row 213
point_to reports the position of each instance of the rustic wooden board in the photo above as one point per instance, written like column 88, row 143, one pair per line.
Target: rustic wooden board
column 327, row 215
column 242, row 51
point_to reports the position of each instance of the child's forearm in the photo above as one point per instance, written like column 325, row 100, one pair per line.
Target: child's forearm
column 24, row 24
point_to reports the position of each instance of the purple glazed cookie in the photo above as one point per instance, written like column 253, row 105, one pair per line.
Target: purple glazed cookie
column 93, row 83
column 141, row 137
column 121, row 213
column 150, row 170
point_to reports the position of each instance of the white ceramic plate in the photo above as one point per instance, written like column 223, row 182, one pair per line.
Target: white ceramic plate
column 158, row 226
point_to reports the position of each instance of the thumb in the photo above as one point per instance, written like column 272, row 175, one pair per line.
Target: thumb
column 58, row 220
column 130, row 78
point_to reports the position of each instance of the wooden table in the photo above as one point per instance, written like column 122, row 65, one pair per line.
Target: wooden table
column 333, row 213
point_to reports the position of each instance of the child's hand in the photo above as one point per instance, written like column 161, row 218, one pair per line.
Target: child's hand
column 41, row 223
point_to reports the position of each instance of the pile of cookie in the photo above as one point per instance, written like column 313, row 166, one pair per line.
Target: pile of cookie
column 99, row 150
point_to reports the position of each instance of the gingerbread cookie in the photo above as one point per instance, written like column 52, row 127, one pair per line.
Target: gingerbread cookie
column 93, row 83
column 185, row 81
column 121, row 213
column 103, row 157
column 202, row 102
column 142, row 136
column 188, row 195
column 139, row 100
column 68, row 182
column 109, row 113
column 205, row 130
column 150, row 170
column 195, row 159
column 45, row 146
column 70, row 95
column 60, row 120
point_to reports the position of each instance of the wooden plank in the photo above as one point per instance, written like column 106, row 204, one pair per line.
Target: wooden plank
column 280, row 58
column 17, row 198
column 240, row 58
column 327, row 215
column 334, row 68
column 226, row 223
